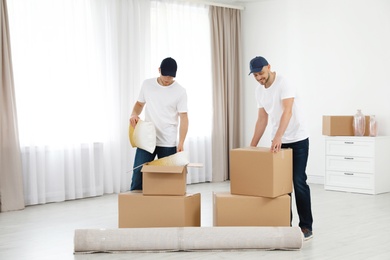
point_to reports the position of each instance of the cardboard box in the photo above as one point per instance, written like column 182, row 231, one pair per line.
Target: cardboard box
column 341, row 126
column 138, row 210
column 164, row 180
column 239, row 210
column 256, row 171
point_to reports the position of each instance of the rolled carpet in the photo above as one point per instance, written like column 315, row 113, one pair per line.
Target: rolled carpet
column 186, row 239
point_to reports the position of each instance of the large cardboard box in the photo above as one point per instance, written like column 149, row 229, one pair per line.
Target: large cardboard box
column 239, row 210
column 341, row 126
column 256, row 171
column 138, row 210
column 164, row 180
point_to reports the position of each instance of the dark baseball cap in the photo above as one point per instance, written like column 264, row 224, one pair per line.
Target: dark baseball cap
column 257, row 64
column 168, row 67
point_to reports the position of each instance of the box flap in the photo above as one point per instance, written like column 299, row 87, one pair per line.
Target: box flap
column 163, row 169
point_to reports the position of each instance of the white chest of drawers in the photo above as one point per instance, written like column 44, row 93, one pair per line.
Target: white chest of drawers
column 357, row 164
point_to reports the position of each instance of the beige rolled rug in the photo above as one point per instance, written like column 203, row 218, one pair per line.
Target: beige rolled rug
column 186, row 239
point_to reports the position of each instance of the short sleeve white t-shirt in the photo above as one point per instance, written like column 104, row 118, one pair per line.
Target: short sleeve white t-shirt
column 271, row 100
column 163, row 105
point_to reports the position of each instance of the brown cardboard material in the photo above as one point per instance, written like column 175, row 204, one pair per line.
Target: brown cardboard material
column 256, row 171
column 138, row 210
column 164, row 180
column 341, row 126
column 239, row 210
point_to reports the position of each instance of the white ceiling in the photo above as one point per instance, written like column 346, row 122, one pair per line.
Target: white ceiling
column 234, row 1
column 231, row 3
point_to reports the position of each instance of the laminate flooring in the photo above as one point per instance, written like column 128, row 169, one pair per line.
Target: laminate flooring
column 346, row 226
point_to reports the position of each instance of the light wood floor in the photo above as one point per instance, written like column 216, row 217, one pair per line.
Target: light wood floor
column 346, row 226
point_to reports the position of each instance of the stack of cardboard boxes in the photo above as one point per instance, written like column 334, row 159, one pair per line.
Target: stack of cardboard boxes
column 163, row 201
column 260, row 183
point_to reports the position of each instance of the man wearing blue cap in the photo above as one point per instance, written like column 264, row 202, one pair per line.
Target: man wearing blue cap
column 166, row 103
column 278, row 100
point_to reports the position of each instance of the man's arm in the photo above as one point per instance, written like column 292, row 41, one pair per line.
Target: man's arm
column 261, row 124
column 183, row 129
column 284, row 121
column 137, row 110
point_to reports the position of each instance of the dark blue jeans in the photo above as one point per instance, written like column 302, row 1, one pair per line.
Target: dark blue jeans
column 301, row 189
column 141, row 157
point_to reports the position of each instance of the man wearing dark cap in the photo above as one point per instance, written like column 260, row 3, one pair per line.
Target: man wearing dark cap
column 278, row 100
column 166, row 103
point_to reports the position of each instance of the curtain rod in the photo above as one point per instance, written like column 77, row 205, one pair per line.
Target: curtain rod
column 215, row 4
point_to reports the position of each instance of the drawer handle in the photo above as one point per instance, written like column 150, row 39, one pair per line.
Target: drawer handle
column 348, row 158
column 348, row 173
column 348, row 142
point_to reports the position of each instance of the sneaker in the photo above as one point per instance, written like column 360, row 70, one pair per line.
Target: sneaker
column 307, row 234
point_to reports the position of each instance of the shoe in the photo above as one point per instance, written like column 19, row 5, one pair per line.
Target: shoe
column 307, row 234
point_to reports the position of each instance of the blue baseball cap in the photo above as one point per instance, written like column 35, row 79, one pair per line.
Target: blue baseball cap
column 168, row 67
column 257, row 64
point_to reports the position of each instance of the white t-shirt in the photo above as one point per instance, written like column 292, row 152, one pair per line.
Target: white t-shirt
column 271, row 100
column 163, row 105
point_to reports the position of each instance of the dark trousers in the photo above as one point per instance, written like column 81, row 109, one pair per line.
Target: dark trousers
column 141, row 157
column 301, row 189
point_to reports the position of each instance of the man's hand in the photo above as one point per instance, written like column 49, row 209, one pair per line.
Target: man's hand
column 134, row 120
column 180, row 148
column 276, row 145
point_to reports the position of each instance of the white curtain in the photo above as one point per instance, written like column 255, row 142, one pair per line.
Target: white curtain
column 78, row 67
column 182, row 31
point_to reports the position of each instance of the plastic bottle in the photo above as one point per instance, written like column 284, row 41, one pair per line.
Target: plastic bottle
column 373, row 126
column 359, row 123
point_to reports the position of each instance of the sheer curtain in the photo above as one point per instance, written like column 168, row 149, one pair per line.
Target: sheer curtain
column 77, row 65
column 182, row 31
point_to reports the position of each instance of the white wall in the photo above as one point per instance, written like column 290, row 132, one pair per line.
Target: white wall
column 337, row 51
